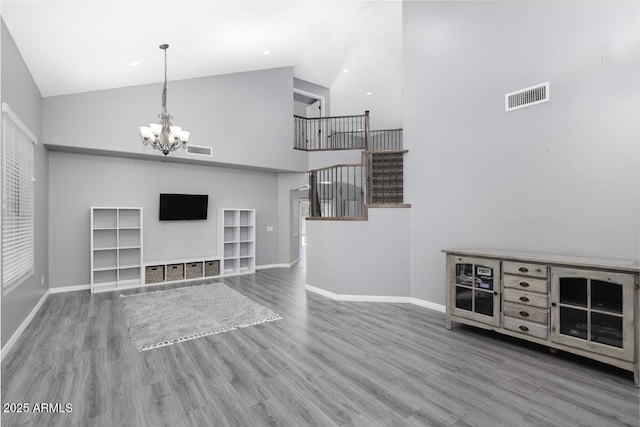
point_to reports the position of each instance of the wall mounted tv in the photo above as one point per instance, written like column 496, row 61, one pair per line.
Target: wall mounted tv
column 177, row 207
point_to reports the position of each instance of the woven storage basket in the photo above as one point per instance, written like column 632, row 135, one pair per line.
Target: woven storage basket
column 211, row 268
column 194, row 270
column 175, row 272
column 154, row 274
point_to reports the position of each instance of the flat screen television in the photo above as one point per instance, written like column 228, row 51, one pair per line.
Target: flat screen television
column 178, row 207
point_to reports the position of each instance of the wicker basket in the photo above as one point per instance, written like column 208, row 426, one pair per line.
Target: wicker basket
column 194, row 270
column 211, row 268
column 175, row 272
column 154, row 274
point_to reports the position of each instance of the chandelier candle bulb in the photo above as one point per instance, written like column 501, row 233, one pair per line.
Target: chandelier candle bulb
column 164, row 136
column 175, row 131
column 145, row 131
column 156, row 129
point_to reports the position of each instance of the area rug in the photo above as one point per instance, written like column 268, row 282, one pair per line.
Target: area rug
column 161, row 318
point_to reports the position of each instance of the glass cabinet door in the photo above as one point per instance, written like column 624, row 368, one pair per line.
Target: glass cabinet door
column 593, row 310
column 474, row 284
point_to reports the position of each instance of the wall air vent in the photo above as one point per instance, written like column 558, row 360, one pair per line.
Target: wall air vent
column 199, row 150
column 527, row 97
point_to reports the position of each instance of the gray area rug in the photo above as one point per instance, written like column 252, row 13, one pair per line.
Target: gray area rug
column 161, row 318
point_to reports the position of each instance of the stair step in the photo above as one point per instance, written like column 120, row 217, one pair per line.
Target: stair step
column 379, row 195
column 388, row 177
column 381, row 201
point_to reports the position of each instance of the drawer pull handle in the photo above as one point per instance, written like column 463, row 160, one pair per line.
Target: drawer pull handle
column 524, row 284
column 523, row 328
column 524, row 299
column 524, row 314
column 523, row 270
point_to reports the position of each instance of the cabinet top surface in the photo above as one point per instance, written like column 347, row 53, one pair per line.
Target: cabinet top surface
column 602, row 263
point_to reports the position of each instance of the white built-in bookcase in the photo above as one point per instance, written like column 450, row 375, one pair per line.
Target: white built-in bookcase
column 116, row 248
column 237, row 238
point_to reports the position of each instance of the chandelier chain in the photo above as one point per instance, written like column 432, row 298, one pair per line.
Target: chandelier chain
column 164, row 88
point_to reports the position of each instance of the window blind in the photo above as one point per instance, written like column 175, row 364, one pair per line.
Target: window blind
column 17, row 199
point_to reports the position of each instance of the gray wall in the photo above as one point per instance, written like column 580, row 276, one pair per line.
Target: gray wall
column 369, row 258
column 245, row 117
column 79, row 181
column 21, row 93
column 560, row 177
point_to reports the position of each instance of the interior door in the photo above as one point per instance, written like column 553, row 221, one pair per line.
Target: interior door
column 314, row 110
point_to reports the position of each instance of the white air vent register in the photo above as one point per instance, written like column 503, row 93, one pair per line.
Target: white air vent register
column 527, row 97
column 199, row 150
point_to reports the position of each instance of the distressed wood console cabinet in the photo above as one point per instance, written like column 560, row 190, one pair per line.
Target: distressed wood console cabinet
column 585, row 306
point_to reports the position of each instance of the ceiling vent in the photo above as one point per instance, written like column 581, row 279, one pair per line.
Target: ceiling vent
column 199, row 150
column 527, row 97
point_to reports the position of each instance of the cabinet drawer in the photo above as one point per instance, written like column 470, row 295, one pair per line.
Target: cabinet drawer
column 526, row 328
column 526, row 298
column 526, row 283
column 525, row 269
column 525, row 312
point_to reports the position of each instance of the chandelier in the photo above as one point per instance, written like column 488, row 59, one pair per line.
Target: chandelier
column 164, row 136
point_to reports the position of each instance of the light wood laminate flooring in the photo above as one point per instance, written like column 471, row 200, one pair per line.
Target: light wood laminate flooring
column 326, row 363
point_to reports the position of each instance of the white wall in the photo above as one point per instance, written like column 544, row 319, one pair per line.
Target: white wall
column 21, row 93
column 79, row 181
column 560, row 177
column 369, row 258
column 245, row 117
column 375, row 65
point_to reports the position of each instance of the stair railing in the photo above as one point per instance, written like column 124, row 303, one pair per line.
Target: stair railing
column 338, row 192
column 331, row 133
column 346, row 191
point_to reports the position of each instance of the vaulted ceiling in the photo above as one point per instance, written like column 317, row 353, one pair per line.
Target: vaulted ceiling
column 79, row 46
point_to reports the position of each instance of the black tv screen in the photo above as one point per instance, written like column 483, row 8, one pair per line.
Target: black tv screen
column 177, row 207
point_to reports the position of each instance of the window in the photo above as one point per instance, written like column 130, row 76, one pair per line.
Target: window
column 17, row 200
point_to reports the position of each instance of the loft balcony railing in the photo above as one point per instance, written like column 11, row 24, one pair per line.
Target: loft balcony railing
column 331, row 133
column 338, row 192
column 385, row 140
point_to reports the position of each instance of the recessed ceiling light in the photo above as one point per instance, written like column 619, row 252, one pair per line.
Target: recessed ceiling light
column 369, row 93
column 346, row 70
column 134, row 63
column 266, row 52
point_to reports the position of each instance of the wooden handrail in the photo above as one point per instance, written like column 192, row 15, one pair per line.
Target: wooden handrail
column 337, row 166
column 386, row 152
column 328, row 117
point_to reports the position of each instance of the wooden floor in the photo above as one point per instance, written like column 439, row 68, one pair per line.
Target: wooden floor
column 325, row 363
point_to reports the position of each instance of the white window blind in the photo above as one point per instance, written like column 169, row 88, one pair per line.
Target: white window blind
column 17, row 199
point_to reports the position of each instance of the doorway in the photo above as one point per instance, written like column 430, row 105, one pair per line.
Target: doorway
column 308, row 105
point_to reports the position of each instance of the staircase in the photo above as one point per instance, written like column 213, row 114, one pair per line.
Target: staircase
column 346, row 192
column 386, row 177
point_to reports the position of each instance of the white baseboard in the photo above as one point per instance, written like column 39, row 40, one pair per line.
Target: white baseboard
column 263, row 267
column 62, row 289
column 375, row 298
column 428, row 304
column 16, row 335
